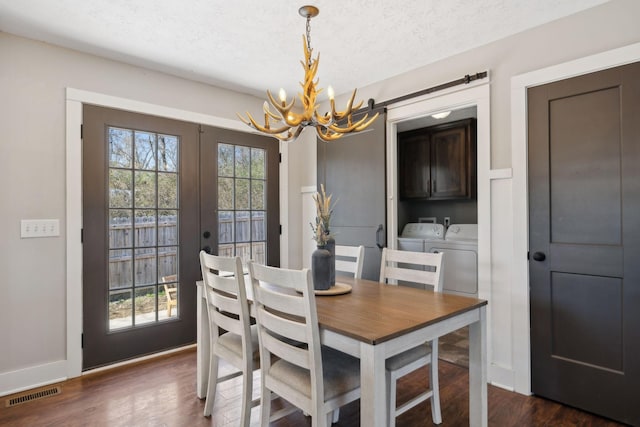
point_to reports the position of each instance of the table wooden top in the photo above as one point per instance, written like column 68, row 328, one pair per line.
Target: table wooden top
column 374, row 312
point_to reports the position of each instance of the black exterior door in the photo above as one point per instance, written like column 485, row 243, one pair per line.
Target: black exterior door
column 584, row 237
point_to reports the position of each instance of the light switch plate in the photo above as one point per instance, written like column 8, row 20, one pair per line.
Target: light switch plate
column 30, row 228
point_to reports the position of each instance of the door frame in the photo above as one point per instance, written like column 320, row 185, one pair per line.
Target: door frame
column 75, row 98
column 520, row 194
column 476, row 94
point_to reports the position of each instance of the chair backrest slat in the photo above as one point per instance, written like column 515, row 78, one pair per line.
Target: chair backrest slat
column 417, row 267
column 350, row 259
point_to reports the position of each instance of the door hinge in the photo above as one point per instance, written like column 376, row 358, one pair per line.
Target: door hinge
column 81, row 340
column 527, row 255
column 81, row 131
column 279, row 157
column 281, row 229
column 82, row 235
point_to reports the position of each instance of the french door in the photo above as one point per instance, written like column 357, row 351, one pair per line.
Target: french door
column 240, row 205
column 142, row 229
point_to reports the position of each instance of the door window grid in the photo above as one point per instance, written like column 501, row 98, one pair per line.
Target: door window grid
column 143, row 227
column 242, row 202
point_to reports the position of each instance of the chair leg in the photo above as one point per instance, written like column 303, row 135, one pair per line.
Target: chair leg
column 211, row 386
column 391, row 398
column 435, row 386
column 247, row 396
column 265, row 405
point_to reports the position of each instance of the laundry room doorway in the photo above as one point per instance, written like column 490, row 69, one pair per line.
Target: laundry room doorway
column 422, row 150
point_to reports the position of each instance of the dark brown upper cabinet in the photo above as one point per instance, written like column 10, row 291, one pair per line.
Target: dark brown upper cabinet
column 438, row 162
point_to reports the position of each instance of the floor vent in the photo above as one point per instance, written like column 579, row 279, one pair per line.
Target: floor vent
column 33, row 395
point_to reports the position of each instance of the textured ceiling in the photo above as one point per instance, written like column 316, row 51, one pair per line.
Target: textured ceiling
column 251, row 46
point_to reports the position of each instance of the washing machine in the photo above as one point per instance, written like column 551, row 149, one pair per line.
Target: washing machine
column 460, row 260
column 414, row 234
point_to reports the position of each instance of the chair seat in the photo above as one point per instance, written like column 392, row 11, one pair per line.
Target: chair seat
column 233, row 342
column 403, row 359
column 340, row 373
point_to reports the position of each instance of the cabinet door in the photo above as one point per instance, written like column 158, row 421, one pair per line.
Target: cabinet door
column 413, row 165
column 451, row 158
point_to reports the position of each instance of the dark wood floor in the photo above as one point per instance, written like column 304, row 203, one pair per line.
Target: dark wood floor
column 161, row 392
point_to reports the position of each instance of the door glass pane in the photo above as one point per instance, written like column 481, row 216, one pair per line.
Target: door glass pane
column 145, row 189
column 225, row 160
column 167, row 190
column 120, row 147
column 120, row 268
column 145, row 145
column 167, row 227
column 145, row 234
column 145, row 305
column 120, row 188
column 258, row 195
column 242, row 201
column 120, row 232
column 143, row 227
column 120, row 310
column 225, row 193
column 242, row 162
column 168, row 153
column 242, row 194
column 257, row 163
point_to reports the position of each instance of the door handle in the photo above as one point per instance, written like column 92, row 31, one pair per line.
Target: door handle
column 380, row 237
column 539, row 256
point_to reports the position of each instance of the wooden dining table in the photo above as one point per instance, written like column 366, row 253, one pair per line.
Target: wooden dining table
column 376, row 321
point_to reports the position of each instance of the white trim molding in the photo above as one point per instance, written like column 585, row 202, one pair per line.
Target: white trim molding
column 520, row 293
column 476, row 94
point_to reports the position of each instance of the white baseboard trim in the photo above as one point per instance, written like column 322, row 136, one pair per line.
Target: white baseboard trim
column 55, row 372
column 502, row 377
column 32, row 377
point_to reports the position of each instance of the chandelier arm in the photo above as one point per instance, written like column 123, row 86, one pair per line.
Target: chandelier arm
column 255, row 125
column 339, row 115
column 282, row 109
column 323, row 120
column 357, row 126
column 326, row 135
column 366, row 125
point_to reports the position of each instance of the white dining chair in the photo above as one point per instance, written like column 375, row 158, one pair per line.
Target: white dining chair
column 421, row 268
column 232, row 337
column 350, row 259
column 311, row 377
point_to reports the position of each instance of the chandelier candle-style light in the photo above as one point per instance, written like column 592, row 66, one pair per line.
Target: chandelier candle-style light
column 286, row 125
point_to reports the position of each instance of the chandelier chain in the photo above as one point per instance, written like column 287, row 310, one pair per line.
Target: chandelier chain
column 309, row 33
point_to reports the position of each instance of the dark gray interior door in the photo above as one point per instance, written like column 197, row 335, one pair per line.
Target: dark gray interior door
column 584, row 205
column 352, row 169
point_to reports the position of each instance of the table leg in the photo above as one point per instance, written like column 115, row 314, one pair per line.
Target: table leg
column 478, row 402
column 373, row 398
column 203, row 346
